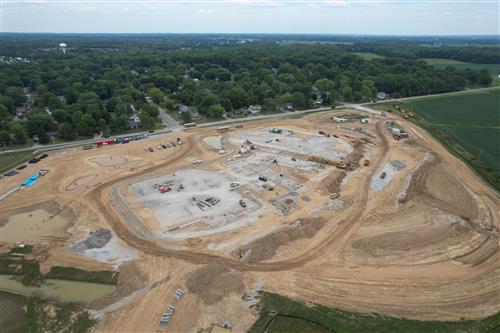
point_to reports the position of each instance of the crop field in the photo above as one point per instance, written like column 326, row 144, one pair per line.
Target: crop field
column 460, row 65
column 468, row 123
column 281, row 314
column 474, row 109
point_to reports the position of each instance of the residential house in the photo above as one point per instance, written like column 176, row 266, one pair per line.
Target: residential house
column 254, row 108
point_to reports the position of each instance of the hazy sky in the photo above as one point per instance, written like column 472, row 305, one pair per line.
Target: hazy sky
column 418, row 17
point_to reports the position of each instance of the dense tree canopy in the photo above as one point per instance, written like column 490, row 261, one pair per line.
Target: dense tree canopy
column 101, row 82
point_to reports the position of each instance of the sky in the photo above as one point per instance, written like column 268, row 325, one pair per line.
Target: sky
column 375, row 17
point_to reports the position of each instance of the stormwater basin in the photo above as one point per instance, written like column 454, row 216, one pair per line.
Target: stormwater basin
column 62, row 291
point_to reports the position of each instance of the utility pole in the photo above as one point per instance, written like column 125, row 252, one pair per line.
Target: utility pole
column 480, row 153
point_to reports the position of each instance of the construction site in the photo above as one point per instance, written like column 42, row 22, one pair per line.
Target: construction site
column 358, row 211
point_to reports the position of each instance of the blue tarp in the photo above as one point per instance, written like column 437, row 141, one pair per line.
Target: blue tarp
column 31, row 181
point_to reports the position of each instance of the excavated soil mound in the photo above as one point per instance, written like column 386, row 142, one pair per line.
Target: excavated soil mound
column 213, row 282
column 331, row 183
column 265, row 248
column 95, row 240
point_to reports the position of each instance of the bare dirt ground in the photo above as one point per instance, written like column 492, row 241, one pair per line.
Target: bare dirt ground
column 420, row 243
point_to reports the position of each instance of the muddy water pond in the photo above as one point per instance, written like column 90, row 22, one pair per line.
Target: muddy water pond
column 62, row 291
column 35, row 225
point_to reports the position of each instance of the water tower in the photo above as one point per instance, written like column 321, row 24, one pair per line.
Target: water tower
column 63, row 47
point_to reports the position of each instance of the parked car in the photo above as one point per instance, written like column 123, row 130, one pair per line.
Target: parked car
column 21, row 167
column 197, row 161
column 34, row 160
column 264, row 179
column 242, row 203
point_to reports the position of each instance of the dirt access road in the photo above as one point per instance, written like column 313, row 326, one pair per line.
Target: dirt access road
column 430, row 254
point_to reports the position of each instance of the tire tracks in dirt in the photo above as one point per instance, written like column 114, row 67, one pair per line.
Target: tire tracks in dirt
column 337, row 235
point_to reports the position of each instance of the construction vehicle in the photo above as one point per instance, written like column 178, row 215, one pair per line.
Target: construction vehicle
column 366, row 163
column 382, row 176
column 276, row 130
column 164, row 189
column 341, row 165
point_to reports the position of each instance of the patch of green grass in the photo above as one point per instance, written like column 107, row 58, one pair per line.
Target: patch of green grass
column 294, row 316
column 48, row 316
column 23, row 250
column 467, row 124
column 443, row 63
column 75, row 274
column 11, row 160
column 480, row 108
column 368, row 55
column 28, row 270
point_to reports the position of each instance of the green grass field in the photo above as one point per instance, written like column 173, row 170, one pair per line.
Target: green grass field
column 467, row 124
column 11, row 160
column 468, row 109
column 281, row 314
column 368, row 56
column 443, row 63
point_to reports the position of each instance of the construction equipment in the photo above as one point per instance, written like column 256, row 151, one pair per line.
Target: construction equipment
column 164, row 189
column 341, row 165
column 276, row 130
column 366, row 163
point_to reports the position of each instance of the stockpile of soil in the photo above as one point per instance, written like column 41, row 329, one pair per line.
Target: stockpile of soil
column 265, row 248
column 213, row 282
column 95, row 240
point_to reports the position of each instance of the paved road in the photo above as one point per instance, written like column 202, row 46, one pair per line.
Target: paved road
column 173, row 125
column 167, row 119
column 38, row 149
column 432, row 95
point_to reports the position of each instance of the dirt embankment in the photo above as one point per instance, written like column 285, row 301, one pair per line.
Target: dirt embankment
column 265, row 248
column 213, row 282
column 332, row 182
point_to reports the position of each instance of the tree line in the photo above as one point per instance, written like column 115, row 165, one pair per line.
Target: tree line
column 93, row 89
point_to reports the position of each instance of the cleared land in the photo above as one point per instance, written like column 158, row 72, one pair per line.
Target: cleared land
column 412, row 233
